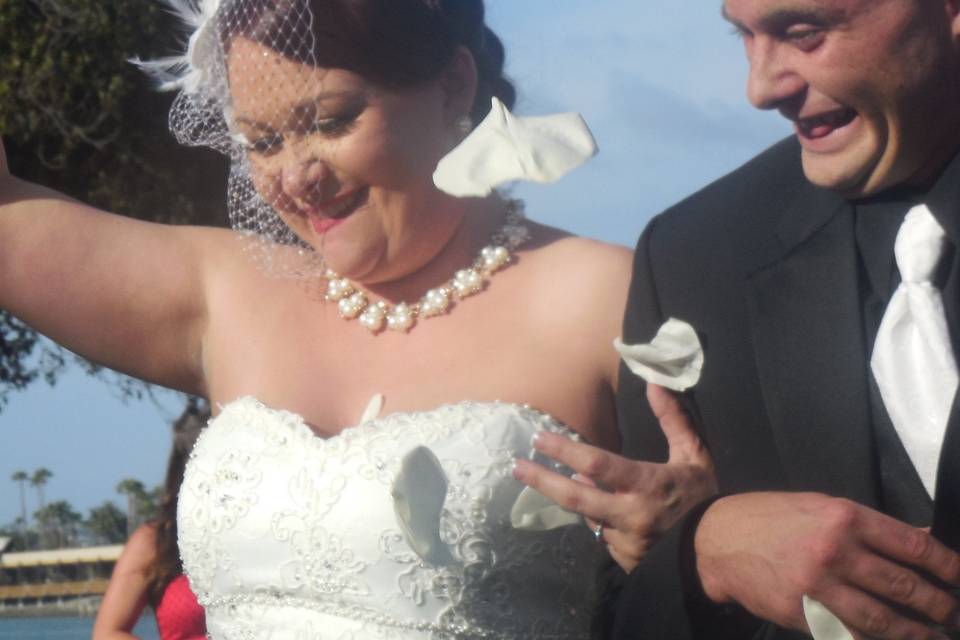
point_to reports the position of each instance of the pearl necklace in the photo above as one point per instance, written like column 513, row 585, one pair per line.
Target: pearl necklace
column 375, row 316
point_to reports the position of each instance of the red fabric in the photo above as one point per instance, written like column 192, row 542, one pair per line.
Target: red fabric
column 179, row 615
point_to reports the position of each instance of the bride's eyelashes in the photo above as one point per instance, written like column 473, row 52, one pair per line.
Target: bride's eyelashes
column 264, row 145
column 267, row 143
column 333, row 127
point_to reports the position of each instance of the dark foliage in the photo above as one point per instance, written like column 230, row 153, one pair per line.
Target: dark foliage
column 75, row 115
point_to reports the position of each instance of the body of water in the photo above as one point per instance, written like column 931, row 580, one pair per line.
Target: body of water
column 65, row 628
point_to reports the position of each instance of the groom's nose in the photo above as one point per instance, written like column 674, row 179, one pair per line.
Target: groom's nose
column 773, row 80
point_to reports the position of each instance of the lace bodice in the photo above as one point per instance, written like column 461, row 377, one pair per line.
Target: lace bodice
column 398, row 528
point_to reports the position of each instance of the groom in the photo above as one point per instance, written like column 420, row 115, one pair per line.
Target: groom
column 787, row 270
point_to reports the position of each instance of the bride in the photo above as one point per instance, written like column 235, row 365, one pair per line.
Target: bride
column 378, row 352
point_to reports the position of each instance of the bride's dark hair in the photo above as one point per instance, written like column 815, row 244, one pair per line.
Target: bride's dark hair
column 395, row 44
column 166, row 564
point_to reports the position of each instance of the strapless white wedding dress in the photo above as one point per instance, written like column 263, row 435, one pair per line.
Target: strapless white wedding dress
column 409, row 526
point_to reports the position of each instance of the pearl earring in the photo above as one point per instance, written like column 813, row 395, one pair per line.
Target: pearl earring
column 464, row 124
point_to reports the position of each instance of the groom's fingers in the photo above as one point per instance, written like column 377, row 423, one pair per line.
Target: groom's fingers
column 898, row 584
column 911, row 547
column 900, row 573
column 867, row 617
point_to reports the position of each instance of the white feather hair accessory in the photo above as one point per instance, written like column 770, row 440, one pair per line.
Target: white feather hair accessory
column 186, row 71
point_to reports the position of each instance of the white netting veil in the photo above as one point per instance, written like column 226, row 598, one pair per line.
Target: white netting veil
column 204, row 111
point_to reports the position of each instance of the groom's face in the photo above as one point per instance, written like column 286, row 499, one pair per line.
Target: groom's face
column 872, row 86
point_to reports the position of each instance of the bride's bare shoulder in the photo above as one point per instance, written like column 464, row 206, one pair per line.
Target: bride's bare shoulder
column 588, row 280
column 583, row 262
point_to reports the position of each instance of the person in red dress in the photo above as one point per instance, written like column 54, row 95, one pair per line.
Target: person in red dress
column 148, row 572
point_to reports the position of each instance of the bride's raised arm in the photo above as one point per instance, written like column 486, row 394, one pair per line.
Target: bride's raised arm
column 124, row 293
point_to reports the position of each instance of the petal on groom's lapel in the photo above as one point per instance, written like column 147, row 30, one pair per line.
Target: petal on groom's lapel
column 673, row 359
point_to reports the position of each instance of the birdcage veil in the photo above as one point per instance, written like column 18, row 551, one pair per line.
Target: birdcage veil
column 202, row 113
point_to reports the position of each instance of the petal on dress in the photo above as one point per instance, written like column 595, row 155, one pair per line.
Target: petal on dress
column 533, row 511
column 419, row 492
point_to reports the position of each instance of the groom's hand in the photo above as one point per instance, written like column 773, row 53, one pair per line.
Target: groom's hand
column 766, row 550
column 636, row 502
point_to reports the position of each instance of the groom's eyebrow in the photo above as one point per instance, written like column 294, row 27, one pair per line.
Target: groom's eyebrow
column 780, row 18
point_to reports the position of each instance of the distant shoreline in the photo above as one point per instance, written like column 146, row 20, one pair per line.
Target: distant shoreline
column 76, row 608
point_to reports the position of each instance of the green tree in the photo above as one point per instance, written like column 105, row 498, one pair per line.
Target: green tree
column 59, row 522
column 76, row 116
column 22, row 356
column 21, row 538
column 107, row 524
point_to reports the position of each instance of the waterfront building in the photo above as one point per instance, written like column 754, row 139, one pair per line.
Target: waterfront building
column 66, row 581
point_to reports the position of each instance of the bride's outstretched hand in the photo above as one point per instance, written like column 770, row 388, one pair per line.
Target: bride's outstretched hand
column 634, row 501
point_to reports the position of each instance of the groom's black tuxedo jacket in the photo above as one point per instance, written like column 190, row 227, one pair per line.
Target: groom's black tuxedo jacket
column 765, row 266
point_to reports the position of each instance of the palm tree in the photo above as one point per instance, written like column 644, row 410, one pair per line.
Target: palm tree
column 136, row 493
column 39, row 480
column 21, row 477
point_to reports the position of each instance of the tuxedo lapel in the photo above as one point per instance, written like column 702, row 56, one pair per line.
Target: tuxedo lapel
column 806, row 315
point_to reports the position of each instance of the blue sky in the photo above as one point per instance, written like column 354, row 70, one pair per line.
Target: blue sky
column 661, row 84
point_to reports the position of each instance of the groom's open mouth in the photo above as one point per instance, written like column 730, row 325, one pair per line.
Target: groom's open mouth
column 324, row 216
column 817, row 130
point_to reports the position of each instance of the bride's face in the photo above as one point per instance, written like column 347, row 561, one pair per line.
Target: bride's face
column 347, row 165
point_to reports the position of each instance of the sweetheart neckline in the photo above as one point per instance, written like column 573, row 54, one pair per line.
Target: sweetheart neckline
column 301, row 423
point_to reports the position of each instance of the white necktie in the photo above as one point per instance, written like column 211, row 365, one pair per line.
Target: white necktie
column 913, row 360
